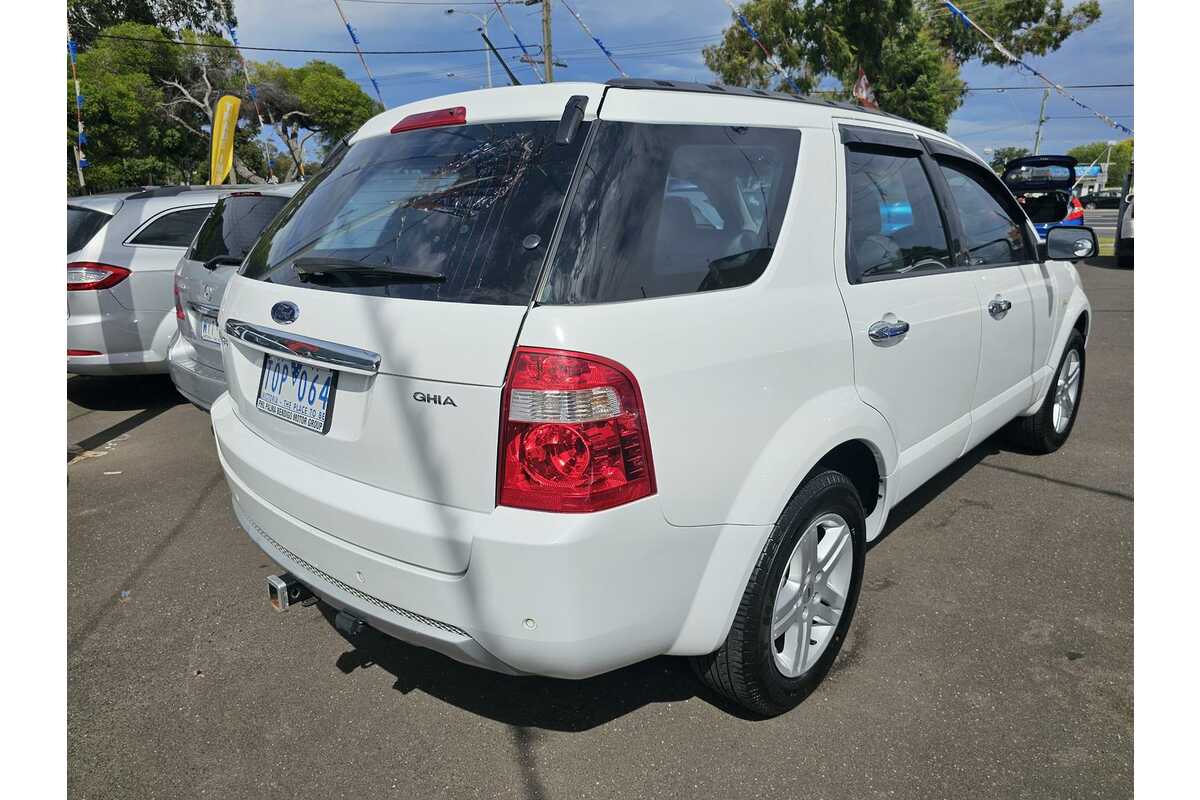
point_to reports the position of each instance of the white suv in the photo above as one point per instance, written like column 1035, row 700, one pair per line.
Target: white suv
column 552, row 379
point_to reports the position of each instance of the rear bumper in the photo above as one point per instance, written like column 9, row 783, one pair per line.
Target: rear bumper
column 198, row 382
column 123, row 338
column 563, row 595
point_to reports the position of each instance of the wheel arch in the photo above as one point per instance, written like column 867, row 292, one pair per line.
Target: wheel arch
column 853, row 438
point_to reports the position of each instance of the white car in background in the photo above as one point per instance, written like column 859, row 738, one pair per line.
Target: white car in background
column 122, row 252
column 214, row 256
column 552, row 379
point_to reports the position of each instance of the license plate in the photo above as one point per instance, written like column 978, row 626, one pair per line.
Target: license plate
column 209, row 331
column 299, row 393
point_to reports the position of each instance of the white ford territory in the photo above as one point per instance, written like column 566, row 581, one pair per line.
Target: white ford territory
column 552, row 379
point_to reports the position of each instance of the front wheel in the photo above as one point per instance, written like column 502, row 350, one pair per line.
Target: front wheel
column 1047, row 430
column 798, row 603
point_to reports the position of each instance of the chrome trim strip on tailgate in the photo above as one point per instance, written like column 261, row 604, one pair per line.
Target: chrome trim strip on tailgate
column 302, row 348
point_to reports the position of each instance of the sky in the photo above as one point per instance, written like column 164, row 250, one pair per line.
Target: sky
column 663, row 39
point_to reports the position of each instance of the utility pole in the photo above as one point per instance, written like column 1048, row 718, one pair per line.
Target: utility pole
column 1037, row 140
column 546, row 46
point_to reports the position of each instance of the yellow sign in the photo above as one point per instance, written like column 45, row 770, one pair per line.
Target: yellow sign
column 224, row 125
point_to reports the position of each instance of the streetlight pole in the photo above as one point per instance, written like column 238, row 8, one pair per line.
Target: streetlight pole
column 483, row 23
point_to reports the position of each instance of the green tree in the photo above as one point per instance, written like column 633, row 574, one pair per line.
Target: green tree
column 316, row 99
column 1119, row 161
column 1003, row 155
column 86, row 18
column 910, row 50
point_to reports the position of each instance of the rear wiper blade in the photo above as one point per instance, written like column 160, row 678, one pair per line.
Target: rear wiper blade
column 223, row 261
column 345, row 270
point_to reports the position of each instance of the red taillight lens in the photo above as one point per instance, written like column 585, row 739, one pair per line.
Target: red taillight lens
column 1076, row 209
column 432, row 119
column 572, row 434
column 178, row 302
column 82, row 352
column 84, row 275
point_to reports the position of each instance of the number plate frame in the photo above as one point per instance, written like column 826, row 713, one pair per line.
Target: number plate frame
column 258, row 401
column 216, row 328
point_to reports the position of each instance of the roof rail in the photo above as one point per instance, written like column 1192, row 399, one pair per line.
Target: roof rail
column 736, row 91
column 173, row 191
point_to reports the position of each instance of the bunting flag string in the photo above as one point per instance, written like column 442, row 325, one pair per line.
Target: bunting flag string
column 358, row 49
column 607, row 53
column 252, row 92
column 969, row 24
column 528, row 56
column 81, row 161
column 771, row 60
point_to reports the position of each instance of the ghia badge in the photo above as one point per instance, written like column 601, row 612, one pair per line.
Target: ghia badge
column 436, row 399
column 284, row 312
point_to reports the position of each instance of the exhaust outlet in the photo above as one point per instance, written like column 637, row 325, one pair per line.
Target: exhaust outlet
column 284, row 590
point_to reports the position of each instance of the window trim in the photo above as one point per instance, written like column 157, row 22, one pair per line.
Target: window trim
column 949, row 229
column 940, row 154
column 136, row 232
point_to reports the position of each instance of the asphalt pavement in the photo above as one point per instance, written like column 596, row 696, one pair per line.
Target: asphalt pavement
column 991, row 654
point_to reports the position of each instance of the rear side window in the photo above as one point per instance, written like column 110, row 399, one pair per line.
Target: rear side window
column 672, row 209
column 234, row 225
column 174, row 229
column 992, row 233
column 894, row 225
column 460, row 214
column 82, row 225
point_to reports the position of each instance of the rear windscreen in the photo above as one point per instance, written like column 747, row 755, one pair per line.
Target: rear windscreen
column 82, row 225
column 1038, row 175
column 461, row 213
column 672, row 209
column 234, row 225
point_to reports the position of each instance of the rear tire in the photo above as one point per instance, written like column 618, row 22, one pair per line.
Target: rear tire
column 1048, row 429
column 752, row 667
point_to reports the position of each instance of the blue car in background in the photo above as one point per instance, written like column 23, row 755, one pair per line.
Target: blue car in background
column 1042, row 185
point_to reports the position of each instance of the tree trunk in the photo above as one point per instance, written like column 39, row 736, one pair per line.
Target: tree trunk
column 244, row 172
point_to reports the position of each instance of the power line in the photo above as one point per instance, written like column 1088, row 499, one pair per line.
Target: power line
column 358, row 49
column 1041, row 88
column 302, row 50
column 434, row 2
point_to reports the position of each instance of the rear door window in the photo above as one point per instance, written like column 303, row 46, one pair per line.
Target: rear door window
column 234, row 225
column 894, row 226
column 460, row 214
column 672, row 209
column 82, row 225
column 173, row 229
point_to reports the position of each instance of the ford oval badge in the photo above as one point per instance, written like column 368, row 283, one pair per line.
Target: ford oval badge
column 285, row 313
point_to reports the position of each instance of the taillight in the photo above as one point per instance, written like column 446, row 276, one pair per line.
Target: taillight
column 1076, row 209
column 572, row 435
column 432, row 119
column 178, row 301
column 72, row 352
column 84, row 275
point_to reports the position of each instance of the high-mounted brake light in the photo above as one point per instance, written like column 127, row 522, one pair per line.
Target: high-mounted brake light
column 245, row 194
column 573, row 434
column 84, row 275
column 432, row 119
column 1076, row 209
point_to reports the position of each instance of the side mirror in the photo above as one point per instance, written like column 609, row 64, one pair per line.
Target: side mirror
column 1070, row 243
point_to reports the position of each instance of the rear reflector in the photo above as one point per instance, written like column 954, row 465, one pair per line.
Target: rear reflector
column 432, row 119
column 573, row 434
column 83, row 353
column 84, row 275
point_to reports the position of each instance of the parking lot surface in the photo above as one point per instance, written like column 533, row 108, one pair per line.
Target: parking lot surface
column 991, row 654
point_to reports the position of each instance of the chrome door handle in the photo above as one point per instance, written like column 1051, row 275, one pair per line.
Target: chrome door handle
column 885, row 331
column 999, row 307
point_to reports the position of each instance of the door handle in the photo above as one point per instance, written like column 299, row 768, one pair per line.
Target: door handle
column 999, row 307
column 887, row 331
